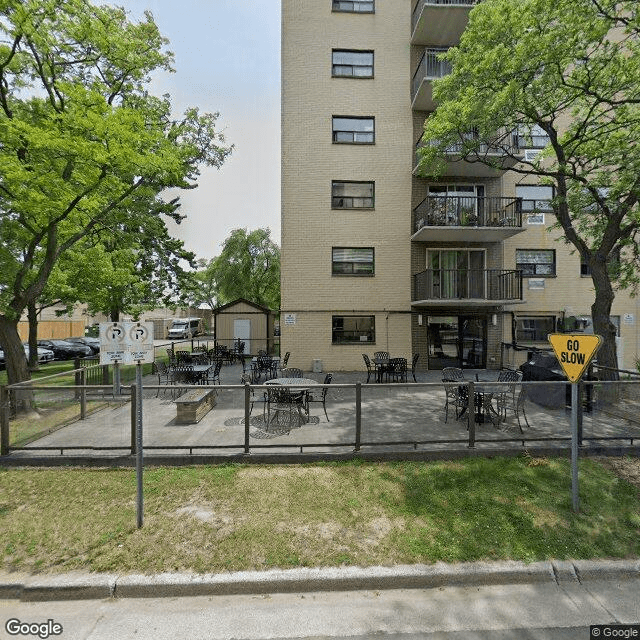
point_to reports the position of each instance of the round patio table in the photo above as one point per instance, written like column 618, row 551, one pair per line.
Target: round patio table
column 294, row 387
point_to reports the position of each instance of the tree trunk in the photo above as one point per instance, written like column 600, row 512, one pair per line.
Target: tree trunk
column 16, row 363
column 32, row 314
column 602, row 325
column 114, row 315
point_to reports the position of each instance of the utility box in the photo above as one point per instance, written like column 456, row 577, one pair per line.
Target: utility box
column 317, row 366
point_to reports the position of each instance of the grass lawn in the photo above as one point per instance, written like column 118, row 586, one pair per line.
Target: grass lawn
column 234, row 517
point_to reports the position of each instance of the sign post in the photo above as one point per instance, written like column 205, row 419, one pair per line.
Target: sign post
column 131, row 343
column 574, row 352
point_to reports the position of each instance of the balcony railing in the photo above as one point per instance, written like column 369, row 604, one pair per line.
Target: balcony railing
column 429, row 68
column 467, row 211
column 506, row 146
column 468, row 284
column 418, row 8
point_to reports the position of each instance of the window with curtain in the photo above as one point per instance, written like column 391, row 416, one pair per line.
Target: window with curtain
column 351, row 195
column 346, row 63
column 353, row 130
column 352, row 261
column 536, row 262
column 535, row 202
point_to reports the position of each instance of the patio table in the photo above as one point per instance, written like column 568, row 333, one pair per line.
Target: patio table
column 294, row 395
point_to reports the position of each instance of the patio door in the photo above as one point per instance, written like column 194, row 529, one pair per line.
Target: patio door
column 457, row 273
column 457, row 341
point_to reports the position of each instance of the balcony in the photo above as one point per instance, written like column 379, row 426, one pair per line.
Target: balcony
column 428, row 69
column 467, row 287
column 439, row 22
column 466, row 219
column 502, row 153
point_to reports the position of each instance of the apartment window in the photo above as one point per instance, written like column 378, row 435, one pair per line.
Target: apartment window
column 536, row 262
column 535, row 200
column 354, row 6
column 534, row 328
column 352, row 261
column 352, row 195
column 613, row 265
column 353, row 329
column 532, row 137
column 353, row 130
column 351, row 64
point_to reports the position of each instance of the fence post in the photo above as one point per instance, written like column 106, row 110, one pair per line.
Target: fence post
column 76, row 366
column 247, row 402
column 471, row 413
column 358, row 415
column 83, row 394
column 4, row 420
column 133, row 419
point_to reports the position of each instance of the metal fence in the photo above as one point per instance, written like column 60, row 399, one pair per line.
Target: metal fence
column 377, row 419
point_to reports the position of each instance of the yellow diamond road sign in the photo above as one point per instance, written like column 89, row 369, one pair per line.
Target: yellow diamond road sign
column 574, row 352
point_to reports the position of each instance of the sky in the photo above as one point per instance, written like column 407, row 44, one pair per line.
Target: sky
column 227, row 60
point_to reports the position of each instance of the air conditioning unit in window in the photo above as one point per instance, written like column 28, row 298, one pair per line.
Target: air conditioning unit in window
column 531, row 154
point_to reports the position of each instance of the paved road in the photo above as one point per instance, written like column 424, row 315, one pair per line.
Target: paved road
column 529, row 611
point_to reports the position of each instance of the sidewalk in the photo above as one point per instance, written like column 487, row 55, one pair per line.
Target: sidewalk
column 82, row 586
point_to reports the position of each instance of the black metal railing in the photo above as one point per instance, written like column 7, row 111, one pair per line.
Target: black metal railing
column 418, row 8
column 430, row 67
column 468, row 284
column 467, row 211
column 502, row 145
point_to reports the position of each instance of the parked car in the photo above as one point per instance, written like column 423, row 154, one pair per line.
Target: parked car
column 92, row 343
column 64, row 350
column 44, row 355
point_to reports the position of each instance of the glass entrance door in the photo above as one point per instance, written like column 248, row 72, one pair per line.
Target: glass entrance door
column 473, row 338
column 457, row 341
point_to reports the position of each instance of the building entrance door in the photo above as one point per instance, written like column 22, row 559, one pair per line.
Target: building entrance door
column 457, row 341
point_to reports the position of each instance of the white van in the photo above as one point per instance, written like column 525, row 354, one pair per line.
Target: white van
column 182, row 328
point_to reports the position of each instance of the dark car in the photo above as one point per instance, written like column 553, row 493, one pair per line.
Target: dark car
column 545, row 367
column 92, row 343
column 64, row 350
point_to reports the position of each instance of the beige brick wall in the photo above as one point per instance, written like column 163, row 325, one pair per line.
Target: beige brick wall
column 310, row 228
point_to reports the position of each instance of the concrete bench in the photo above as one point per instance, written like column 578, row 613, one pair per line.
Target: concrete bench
column 193, row 405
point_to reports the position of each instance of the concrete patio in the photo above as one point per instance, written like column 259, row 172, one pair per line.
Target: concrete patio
column 395, row 418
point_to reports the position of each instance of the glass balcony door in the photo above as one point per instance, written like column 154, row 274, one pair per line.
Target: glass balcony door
column 457, row 273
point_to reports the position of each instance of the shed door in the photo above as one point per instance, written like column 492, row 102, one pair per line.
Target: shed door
column 242, row 330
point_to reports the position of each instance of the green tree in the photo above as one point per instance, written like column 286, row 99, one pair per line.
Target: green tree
column 248, row 267
column 84, row 145
column 570, row 67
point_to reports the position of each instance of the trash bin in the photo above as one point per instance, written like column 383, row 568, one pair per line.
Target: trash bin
column 317, row 366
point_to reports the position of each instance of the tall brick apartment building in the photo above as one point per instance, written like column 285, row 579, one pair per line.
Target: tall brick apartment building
column 377, row 258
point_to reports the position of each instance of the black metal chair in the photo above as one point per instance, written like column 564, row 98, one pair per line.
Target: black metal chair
column 311, row 397
column 414, row 361
column 455, row 392
column 512, row 398
column 370, row 368
column 213, row 375
column 291, row 372
column 397, row 370
column 285, row 360
column 284, row 407
column 163, row 372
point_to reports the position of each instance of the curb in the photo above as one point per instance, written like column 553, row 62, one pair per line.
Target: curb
column 84, row 586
